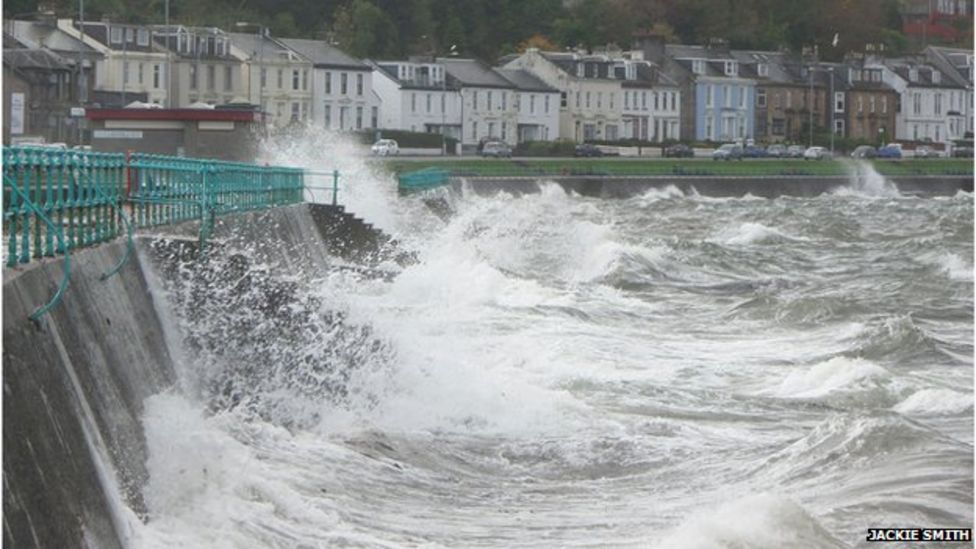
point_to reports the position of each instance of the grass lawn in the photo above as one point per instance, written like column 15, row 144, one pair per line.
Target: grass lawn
column 515, row 167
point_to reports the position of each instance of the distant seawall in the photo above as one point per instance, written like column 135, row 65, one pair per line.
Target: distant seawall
column 718, row 186
column 74, row 460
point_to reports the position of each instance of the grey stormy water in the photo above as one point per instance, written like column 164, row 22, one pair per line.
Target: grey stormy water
column 668, row 370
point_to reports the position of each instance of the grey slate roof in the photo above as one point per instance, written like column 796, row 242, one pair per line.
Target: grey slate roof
column 258, row 47
column 525, row 81
column 37, row 59
column 322, row 54
column 470, row 72
column 37, row 34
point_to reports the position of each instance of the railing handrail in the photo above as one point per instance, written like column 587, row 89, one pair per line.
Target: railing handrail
column 66, row 275
column 80, row 197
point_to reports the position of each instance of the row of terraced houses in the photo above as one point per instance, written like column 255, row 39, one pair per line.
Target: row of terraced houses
column 653, row 92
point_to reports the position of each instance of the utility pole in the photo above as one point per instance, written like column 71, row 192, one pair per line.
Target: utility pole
column 830, row 102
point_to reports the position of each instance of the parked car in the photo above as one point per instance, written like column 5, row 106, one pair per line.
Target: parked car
column 776, row 151
column 753, row 151
column 926, row 151
column 679, row 150
column 728, row 151
column 588, row 150
column 816, row 153
column 795, row 151
column 385, row 147
column 889, row 151
column 962, row 152
column 498, row 149
column 864, row 151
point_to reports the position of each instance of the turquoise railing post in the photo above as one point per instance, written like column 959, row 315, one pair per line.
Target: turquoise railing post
column 335, row 187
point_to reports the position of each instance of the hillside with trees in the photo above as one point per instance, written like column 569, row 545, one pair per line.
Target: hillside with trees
column 488, row 29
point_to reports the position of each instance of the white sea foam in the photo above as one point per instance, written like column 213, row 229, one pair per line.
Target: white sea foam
column 953, row 265
column 835, row 375
column 866, row 182
column 756, row 522
column 935, row 402
column 752, row 233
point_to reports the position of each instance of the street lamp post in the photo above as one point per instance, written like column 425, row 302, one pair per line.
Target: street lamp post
column 830, row 105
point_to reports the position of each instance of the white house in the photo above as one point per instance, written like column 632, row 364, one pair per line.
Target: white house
column 131, row 61
column 342, row 87
column 956, row 65
column 536, row 104
column 590, row 98
column 204, row 67
column 416, row 96
column 490, row 102
column 926, row 99
column 278, row 78
column 651, row 100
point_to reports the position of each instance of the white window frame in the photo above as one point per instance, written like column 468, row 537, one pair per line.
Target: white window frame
column 142, row 37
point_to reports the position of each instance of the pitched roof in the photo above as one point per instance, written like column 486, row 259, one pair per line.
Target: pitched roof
column 260, row 47
column 525, row 81
column 39, row 59
column 470, row 72
column 322, row 54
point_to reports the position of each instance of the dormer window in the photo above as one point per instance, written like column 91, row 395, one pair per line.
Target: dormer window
column 580, row 70
column 731, row 68
column 913, row 75
column 762, row 69
column 130, row 35
column 142, row 37
column 936, row 76
column 115, row 35
column 698, row 66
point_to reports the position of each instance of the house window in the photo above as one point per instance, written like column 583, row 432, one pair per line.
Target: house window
column 763, row 69
column 375, row 117
column 884, row 104
column 211, row 77
column 779, row 126
column 709, row 130
column 294, row 79
column 474, row 130
column 938, row 104
column 116, row 35
column 264, row 77
column 443, row 102
column 359, row 85
column 504, row 101
column 860, row 103
column 626, row 100
column 429, row 99
column 730, row 68
column 474, row 99
column 599, row 100
column 504, row 131
column 139, row 77
column 839, row 126
column 728, row 95
column 125, row 72
column 654, row 95
column 294, row 112
column 142, row 37
column 328, row 82
column 305, row 79
column 304, row 110
column 130, row 34
column 281, row 78
column 742, row 97
column 917, row 103
column 871, row 103
column 643, row 100
column 156, row 76
column 359, row 118
column 491, row 129
column 489, row 106
column 413, row 102
column 328, row 115
column 532, row 104
column 562, row 100
column 709, row 96
column 228, row 77
column 344, row 83
column 193, row 77
column 698, row 66
column 547, row 104
column 342, row 117
column 838, row 101
column 674, row 100
column 760, row 97
column 587, row 100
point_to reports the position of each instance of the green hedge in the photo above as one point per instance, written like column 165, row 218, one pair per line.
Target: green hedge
column 559, row 147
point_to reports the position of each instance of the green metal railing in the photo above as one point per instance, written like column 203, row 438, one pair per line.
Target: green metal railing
column 56, row 201
column 422, row 180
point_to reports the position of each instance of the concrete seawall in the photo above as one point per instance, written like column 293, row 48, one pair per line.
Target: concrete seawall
column 74, row 459
column 717, row 186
